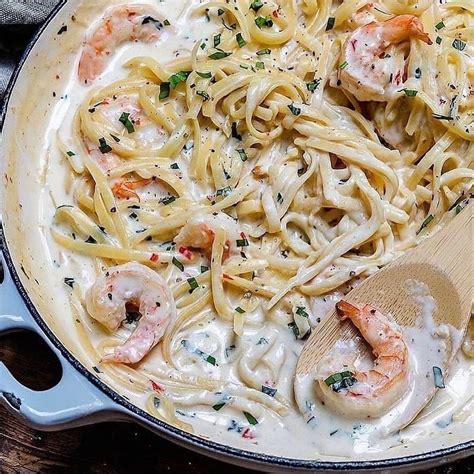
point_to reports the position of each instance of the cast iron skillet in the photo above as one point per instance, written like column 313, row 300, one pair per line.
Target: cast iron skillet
column 81, row 398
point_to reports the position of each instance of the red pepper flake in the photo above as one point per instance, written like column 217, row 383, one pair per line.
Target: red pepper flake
column 226, row 276
column 186, row 252
column 156, row 387
column 154, row 257
column 248, row 434
column 353, row 43
column 275, row 13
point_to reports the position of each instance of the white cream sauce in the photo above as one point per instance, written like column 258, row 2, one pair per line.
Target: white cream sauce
column 317, row 433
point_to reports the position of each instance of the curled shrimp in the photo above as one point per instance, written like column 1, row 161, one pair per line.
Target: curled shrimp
column 366, row 394
column 123, row 23
column 199, row 231
column 367, row 71
column 137, row 285
column 125, row 188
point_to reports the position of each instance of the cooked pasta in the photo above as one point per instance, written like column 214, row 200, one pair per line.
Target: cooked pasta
column 260, row 178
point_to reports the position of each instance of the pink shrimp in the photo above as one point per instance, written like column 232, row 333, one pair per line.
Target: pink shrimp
column 132, row 284
column 371, row 393
column 366, row 70
column 122, row 23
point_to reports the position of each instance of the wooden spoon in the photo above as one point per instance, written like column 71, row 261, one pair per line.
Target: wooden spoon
column 443, row 262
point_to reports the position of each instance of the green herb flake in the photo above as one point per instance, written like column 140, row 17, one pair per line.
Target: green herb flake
column 295, row 329
column 410, row 92
column 205, row 96
column 127, row 123
column 313, row 85
column 219, row 55
column 256, row 5
column 439, row 39
column 330, row 23
column 459, row 44
column 211, row 360
column 104, row 147
column 262, row 21
column 193, row 284
column 242, row 154
column 250, row 418
column 204, row 75
column 242, row 242
column 164, row 90
column 294, row 110
column 204, row 269
column 440, row 25
column 174, row 166
column 260, row 65
column 70, row 153
column 179, row 77
column 166, row 22
column 301, row 311
column 344, row 65
column 224, row 191
column 269, row 390
column 261, row 52
column 240, row 310
column 217, row 40
column 156, row 402
column 177, row 263
column 218, row 406
column 69, row 281
column 167, row 200
column 150, row 19
column 438, row 377
column 240, row 40
column 115, row 138
column 425, row 223
column 458, row 209
column 220, row 11
column 340, row 380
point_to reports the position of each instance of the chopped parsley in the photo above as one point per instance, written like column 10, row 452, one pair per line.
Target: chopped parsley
column 204, row 75
column 459, row 44
column 104, row 147
column 217, row 40
column 127, row 123
column 70, row 153
column 440, row 25
column 179, row 77
column 174, row 166
column 261, row 21
column 166, row 22
column 313, row 85
column 192, row 282
column 439, row 39
column 256, row 5
column 295, row 329
column 425, row 223
column 250, row 418
column 62, row 30
column 167, row 200
column 260, row 65
column 239, row 310
column 438, row 377
column 242, row 242
column 340, row 380
column 177, row 263
column 344, row 65
column 204, row 95
column 269, row 390
column 234, row 131
column 224, row 191
column 219, row 55
column 242, row 154
column 204, row 268
column 294, row 110
column 261, row 52
column 240, row 40
column 69, row 281
column 211, row 360
column 330, row 23
column 164, row 90
column 410, row 92
column 218, row 406
column 301, row 311
column 117, row 139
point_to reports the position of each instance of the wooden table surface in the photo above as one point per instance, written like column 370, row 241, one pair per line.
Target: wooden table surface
column 103, row 448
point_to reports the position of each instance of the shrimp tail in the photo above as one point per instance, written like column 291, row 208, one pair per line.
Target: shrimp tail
column 411, row 24
column 347, row 310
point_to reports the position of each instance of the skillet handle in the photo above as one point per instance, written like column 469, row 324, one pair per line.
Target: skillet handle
column 74, row 401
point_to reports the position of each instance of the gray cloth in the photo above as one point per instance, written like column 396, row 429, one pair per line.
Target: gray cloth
column 13, row 36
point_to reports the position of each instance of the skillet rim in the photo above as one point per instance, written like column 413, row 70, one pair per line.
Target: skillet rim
column 238, row 456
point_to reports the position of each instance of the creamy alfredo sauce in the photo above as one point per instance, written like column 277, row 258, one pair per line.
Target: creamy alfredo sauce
column 267, row 349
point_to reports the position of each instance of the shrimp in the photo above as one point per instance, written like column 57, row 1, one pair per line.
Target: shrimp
column 199, row 231
column 123, row 23
column 371, row 393
column 136, row 285
column 366, row 70
column 125, row 188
